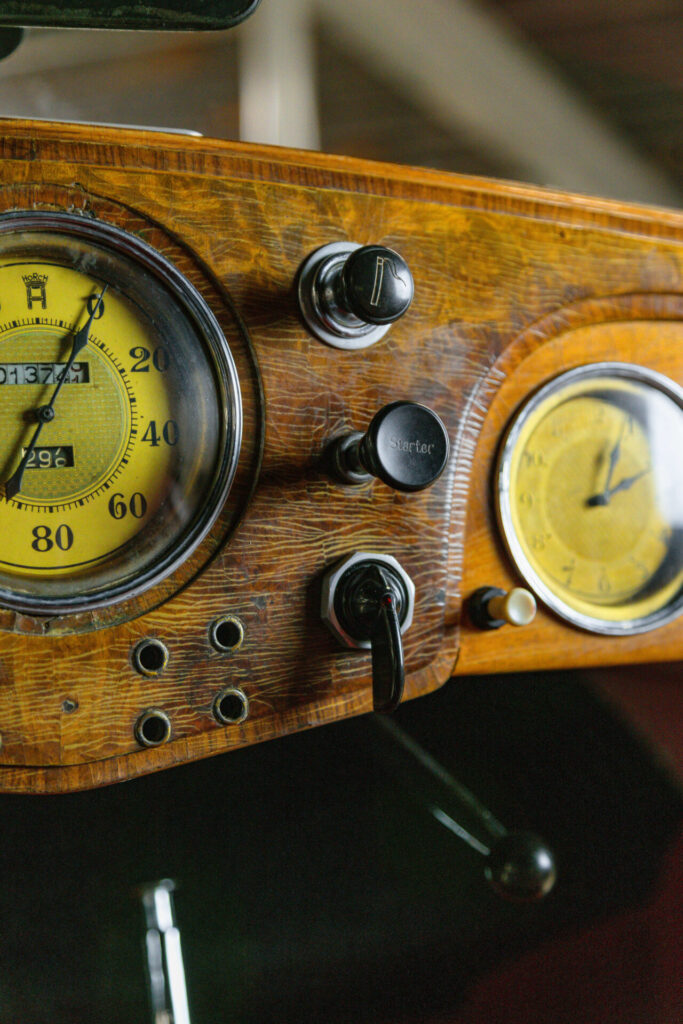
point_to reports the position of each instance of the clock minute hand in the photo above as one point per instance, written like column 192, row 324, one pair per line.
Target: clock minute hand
column 45, row 413
column 613, row 459
column 605, row 494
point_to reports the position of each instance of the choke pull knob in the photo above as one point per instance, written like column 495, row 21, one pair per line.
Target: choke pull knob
column 406, row 446
column 367, row 601
column 375, row 285
column 349, row 294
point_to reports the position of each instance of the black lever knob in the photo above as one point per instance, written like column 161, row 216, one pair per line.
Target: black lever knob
column 376, row 285
column 521, row 867
column 406, row 446
column 349, row 294
column 518, row 865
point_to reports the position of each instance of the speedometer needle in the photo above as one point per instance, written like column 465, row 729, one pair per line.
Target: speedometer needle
column 46, row 413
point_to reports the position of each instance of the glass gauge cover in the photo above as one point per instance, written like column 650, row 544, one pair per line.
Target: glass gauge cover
column 120, row 414
column 590, row 497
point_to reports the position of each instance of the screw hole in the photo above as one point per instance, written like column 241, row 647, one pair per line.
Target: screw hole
column 150, row 657
column 230, row 707
column 152, row 728
column 226, row 634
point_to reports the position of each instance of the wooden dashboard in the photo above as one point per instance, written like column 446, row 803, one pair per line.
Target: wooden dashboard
column 513, row 286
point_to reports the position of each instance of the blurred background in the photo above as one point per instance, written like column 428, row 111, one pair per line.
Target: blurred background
column 584, row 95
column 315, row 883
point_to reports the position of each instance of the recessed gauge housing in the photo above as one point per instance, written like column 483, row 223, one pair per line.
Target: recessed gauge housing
column 120, row 414
column 590, row 496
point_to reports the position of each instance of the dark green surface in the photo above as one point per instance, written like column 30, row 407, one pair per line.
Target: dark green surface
column 176, row 15
column 314, row 883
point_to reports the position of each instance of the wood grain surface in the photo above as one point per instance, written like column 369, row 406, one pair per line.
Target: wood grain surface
column 513, row 285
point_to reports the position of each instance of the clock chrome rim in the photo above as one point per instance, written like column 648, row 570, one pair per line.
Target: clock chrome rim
column 630, row 371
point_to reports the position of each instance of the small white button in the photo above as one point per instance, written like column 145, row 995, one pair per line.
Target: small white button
column 517, row 607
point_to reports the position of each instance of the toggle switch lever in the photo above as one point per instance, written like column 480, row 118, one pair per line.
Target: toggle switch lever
column 367, row 601
column 406, row 446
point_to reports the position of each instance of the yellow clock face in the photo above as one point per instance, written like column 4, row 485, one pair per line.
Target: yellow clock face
column 590, row 497
column 119, row 415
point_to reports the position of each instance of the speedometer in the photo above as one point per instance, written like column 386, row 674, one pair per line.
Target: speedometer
column 120, row 414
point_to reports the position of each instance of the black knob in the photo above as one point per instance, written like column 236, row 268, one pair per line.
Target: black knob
column 521, row 867
column 406, row 446
column 376, row 285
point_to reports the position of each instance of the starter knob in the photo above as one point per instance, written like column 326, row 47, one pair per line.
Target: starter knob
column 349, row 295
column 406, row 446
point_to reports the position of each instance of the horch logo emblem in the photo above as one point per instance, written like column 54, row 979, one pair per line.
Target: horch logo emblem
column 35, row 289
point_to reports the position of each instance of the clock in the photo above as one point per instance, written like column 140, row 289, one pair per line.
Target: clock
column 590, row 496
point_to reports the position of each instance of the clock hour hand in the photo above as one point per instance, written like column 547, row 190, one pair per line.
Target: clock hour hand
column 46, row 413
column 623, row 485
column 628, row 481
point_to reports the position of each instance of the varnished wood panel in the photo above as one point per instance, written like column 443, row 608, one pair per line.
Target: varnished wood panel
column 491, row 262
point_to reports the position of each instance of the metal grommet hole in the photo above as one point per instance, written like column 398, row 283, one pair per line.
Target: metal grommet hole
column 230, row 706
column 153, row 728
column 150, row 657
column 226, row 634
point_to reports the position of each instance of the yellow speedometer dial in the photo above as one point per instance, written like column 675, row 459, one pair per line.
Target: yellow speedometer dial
column 590, row 496
column 119, row 414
